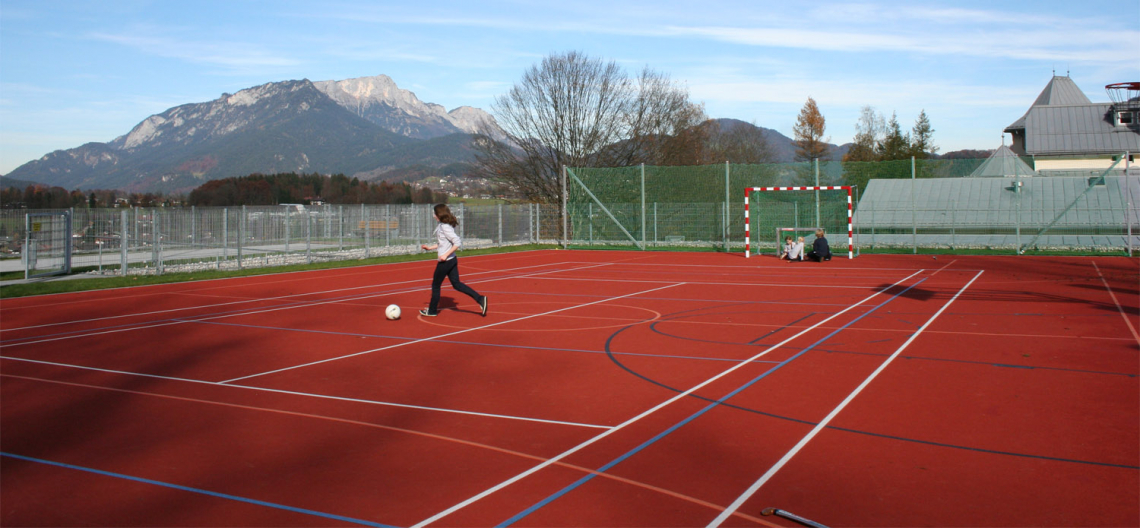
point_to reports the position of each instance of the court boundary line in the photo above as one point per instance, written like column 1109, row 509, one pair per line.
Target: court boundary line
column 748, row 493
column 398, row 345
column 719, row 283
column 1119, row 308
column 204, row 306
column 391, row 428
column 750, row 267
column 280, row 273
column 638, row 417
column 688, row 419
column 311, row 394
column 251, row 311
column 200, row 491
column 473, row 343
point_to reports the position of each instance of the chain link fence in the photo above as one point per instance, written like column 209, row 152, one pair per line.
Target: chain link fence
column 165, row 240
column 899, row 206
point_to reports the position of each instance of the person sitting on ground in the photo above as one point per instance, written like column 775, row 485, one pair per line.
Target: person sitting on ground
column 796, row 254
column 788, row 245
column 819, row 249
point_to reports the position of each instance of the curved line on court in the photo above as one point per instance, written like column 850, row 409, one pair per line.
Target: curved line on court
column 614, row 359
column 433, row 436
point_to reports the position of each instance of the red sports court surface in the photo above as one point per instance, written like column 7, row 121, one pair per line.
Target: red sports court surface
column 602, row 389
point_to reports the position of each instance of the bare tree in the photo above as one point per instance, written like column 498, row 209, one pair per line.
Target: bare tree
column 869, row 131
column 578, row 111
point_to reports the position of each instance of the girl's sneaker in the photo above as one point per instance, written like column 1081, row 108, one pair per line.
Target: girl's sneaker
column 426, row 313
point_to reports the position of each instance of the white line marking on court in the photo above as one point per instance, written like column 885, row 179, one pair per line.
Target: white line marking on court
column 198, row 307
column 269, row 272
column 637, row 418
column 143, row 326
column 822, row 424
column 449, row 334
column 311, row 395
column 814, row 267
column 936, row 272
column 1118, row 306
column 714, row 283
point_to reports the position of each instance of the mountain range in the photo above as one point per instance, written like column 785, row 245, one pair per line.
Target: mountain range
column 366, row 127
column 352, row 126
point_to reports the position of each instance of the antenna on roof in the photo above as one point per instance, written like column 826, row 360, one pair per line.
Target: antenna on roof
column 1003, row 140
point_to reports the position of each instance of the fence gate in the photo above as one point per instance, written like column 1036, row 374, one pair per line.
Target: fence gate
column 47, row 244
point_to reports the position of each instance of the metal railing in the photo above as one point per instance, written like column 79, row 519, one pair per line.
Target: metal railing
column 164, row 240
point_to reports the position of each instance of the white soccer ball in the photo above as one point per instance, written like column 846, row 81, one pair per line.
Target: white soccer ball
column 392, row 312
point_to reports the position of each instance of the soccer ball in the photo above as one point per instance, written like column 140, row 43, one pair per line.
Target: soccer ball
column 392, row 312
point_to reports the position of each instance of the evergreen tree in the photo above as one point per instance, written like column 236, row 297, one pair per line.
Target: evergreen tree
column 922, row 137
column 895, row 145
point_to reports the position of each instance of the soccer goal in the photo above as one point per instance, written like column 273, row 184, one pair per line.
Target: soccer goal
column 788, row 210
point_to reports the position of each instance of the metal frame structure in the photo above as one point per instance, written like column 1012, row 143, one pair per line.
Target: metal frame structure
column 747, row 224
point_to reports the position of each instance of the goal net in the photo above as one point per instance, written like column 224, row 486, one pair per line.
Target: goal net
column 797, row 211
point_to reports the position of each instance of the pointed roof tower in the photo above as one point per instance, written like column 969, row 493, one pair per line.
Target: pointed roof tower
column 1003, row 163
column 1060, row 91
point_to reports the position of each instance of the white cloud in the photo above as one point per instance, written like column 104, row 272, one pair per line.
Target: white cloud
column 230, row 55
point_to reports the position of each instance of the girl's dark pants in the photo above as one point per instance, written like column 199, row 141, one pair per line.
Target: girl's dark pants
column 450, row 269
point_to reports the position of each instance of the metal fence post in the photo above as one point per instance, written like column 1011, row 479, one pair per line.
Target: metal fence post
column 727, row 209
column 387, row 225
column 537, row 223
column 157, row 237
column 225, row 235
column 913, row 218
column 1017, row 209
column 565, row 198
column 340, row 228
column 193, row 227
column 590, row 220
column 240, row 235
column 123, row 259
column 655, row 224
column 818, row 223
column 500, row 224
column 288, row 221
column 530, row 222
column 953, row 226
column 642, row 206
column 308, row 237
column 367, row 231
column 26, row 251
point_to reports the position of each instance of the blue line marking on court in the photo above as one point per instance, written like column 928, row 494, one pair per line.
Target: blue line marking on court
column 880, row 435
column 1013, row 366
column 678, row 425
column 201, row 491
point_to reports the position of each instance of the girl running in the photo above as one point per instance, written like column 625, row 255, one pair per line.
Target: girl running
column 448, row 266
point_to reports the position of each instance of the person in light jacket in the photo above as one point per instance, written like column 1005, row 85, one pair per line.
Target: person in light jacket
column 447, row 242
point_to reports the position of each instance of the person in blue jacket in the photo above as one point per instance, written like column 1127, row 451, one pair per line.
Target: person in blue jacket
column 819, row 249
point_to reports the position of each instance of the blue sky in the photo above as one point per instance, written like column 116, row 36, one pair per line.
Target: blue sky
column 75, row 72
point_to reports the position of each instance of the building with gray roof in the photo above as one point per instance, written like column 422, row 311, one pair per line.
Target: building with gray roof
column 1003, row 163
column 1067, row 134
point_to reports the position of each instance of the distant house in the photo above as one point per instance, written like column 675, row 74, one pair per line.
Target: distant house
column 1066, row 134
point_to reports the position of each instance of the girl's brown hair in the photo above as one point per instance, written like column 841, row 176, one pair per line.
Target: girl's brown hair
column 445, row 216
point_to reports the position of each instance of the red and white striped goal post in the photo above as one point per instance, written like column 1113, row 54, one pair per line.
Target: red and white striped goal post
column 747, row 227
